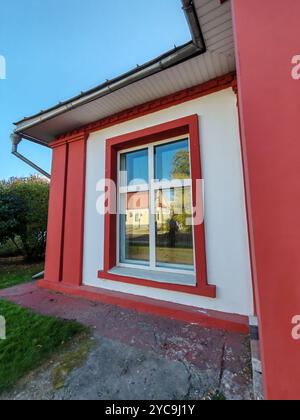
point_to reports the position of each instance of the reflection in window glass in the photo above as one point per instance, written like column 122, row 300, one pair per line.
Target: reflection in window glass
column 172, row 161
column 169, row 229
column 135, row 164
column 134, row 226
column 174, row 234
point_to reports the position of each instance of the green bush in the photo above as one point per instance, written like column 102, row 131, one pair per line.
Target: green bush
column 23, row 215
column 9, row 249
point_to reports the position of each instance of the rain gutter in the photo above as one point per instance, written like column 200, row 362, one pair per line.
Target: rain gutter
column 165, row 61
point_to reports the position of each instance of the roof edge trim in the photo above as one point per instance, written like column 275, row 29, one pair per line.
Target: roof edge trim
column 163, row 62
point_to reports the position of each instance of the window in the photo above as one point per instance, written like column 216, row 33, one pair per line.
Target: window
column 156, row 238
column 155, row 185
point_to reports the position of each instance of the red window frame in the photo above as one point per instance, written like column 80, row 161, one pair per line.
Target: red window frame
column 190, row 126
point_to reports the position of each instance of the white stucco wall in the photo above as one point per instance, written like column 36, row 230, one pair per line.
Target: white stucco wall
column 228, row 260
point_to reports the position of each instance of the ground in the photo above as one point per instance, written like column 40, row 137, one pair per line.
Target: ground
column 134, row 356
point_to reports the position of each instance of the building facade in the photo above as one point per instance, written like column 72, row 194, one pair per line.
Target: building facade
column 204, row 224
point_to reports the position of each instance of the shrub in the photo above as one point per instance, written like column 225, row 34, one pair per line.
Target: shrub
column 9, row 249
column 23, row 215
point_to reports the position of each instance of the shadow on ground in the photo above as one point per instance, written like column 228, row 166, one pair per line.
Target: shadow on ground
column 135, row 356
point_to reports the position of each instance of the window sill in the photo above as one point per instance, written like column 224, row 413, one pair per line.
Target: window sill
column 156, row 276
column 184, row 283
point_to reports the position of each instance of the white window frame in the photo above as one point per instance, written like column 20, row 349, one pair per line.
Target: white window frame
column 152, row 187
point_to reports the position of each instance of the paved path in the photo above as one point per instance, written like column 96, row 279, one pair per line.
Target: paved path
column 138, row 356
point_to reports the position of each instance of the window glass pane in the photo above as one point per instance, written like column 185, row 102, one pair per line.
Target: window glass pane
column 174, row 232
column 135, row 164
column 134, row 228
column 172, row 161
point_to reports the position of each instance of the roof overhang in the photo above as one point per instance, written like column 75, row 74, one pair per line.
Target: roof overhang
column 210, row 55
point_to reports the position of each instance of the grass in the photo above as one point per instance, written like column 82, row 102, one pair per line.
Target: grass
column 14, row 274
column 31, row 340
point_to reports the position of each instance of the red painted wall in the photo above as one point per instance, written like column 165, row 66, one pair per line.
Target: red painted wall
column 54, row 250
column 267, row 38
column 74, row 213
column 64, row 253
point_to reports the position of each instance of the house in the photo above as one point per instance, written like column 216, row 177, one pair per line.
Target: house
column 174, row 187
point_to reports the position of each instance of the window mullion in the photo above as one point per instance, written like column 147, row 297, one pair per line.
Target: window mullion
column 152, row 209
column 122, row 226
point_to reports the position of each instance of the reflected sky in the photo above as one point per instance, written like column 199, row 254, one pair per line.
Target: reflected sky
column 136, row 166
column 172, row 161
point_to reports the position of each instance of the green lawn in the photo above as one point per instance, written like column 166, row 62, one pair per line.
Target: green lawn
column 12, row 275
column 31, row 340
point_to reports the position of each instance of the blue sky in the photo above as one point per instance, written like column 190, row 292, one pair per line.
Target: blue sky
column 56, row 48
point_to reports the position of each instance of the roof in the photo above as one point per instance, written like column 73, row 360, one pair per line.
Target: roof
column 209, row 55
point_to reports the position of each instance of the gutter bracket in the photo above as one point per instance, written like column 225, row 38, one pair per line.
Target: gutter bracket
column 16, row 139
